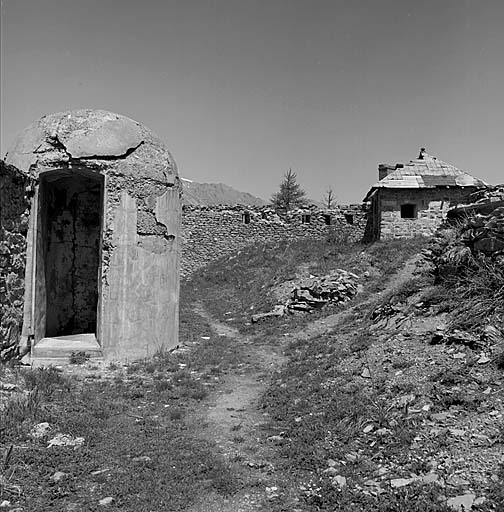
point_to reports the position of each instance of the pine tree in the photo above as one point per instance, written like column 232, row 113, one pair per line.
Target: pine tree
column 290, row 195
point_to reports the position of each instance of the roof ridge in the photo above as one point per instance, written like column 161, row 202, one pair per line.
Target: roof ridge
column 426, row 171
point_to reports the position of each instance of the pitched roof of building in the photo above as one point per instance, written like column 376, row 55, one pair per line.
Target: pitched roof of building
column 427, row 172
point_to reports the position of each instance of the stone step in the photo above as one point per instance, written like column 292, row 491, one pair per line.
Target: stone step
column 58, row 350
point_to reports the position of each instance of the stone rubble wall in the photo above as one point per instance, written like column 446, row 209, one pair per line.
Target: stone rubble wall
column 14, row 214
column 483, row 221
column 471, row 230
column 209, row 232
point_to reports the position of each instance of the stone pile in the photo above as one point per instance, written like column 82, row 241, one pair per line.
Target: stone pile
column 316, row 292
column 483, row 218
column 490, row 336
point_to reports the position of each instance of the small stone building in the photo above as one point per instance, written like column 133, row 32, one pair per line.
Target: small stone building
column 413, row 199
column 102, row 237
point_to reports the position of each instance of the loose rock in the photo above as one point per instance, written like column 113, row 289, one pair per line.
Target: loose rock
column 462, row 503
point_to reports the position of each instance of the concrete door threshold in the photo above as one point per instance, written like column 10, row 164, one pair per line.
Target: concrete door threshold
column 58, row 350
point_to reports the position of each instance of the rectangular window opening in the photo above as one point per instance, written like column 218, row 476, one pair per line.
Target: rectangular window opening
column 246, row 218
column 408, row 211
column 327, row 219
column 349, row 218
column 306, row 218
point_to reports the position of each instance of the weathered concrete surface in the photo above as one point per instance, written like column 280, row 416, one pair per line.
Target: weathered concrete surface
column 139, row 217
column 122, row 146
column 113, row 137
column 140, row 316
column 58, row 351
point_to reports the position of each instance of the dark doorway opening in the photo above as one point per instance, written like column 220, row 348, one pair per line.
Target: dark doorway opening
column 68, row 256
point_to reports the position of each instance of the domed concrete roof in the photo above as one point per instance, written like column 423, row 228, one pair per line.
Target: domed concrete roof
column 94, row 138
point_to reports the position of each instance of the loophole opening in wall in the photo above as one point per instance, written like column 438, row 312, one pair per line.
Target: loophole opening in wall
column 349, row 218
column 246, row 218
column 327, row 220
column 306, row 218
column 408, row 211
column 70, row 217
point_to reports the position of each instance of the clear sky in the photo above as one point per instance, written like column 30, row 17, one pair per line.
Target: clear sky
column 242, row 90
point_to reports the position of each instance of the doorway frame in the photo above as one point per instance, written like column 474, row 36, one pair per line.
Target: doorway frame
column 37, row 266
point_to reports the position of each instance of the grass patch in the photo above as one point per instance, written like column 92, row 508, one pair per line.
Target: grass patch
column 137, row 448
column 334, row 419
column 47, row 381
column 233, row 288
column 134, row 437
column 148, row 467
column 413, row 499
column 325, row 415
column 479, row 293
column 472, row 287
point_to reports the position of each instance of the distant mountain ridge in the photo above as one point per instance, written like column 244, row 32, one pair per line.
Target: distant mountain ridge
column 209, row 194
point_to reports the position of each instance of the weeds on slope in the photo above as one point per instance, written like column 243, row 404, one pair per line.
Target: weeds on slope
column 347, row 440
column 325, row 410
column 234, row 287
column 137, row 448
column 479, row 292
column 470, row 284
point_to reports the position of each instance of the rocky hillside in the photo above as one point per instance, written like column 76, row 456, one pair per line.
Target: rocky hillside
column 468, row 258
column 482, row 221
column 216, row 193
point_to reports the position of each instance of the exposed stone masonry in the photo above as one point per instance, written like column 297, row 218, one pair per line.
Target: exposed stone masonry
column 431, row 207
column 209, row 232
column 14, row 212
column 413, row 199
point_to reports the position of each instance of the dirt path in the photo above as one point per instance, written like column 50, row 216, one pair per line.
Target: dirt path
column 330, row 322
column 230, row 417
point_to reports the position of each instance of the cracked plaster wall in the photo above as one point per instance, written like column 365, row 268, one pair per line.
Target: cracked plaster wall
column 140, row 315
column 138, row 310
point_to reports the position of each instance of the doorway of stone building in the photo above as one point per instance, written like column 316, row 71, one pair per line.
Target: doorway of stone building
column 68, row 263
